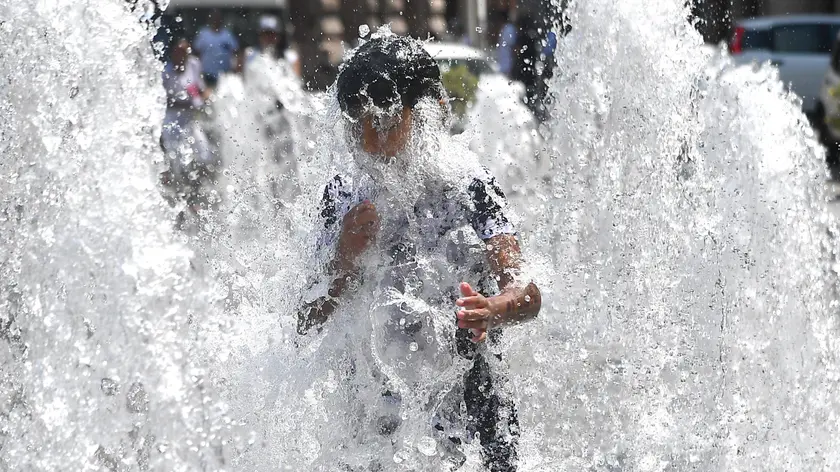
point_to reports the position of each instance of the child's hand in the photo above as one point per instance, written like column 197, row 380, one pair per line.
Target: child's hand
column 358, row 230
column 476, row 313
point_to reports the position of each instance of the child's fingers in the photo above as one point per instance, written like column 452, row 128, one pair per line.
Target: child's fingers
column 465, row 324
column 359, row 210
column 474, row 315
column 363, row 218
column 467, row 290
column 472, row 302
column 480, row 336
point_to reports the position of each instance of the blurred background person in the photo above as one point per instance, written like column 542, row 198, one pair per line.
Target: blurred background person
column 533, row 62
column 217, row 47
column 185, row 96
column 505, row 54
column 185, row 92
column 271, row 43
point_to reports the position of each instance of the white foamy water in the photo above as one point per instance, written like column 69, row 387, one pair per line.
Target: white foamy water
column 671, row 208
column 690, row 321
column 97, row 299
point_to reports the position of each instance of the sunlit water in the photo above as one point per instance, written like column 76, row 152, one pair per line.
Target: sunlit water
column 100, row 358
column 671, row 209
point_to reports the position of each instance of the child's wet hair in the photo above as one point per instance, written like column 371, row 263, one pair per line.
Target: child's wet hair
column 386, row 74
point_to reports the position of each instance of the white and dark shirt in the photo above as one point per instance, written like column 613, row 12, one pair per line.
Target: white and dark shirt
column 404, row 313
column 475, row 201
column 428, row 249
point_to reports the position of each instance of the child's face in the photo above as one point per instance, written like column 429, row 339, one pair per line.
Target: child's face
column 386, row 143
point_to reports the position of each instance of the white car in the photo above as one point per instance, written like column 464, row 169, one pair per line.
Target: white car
column 830, row 103
column 799, row 45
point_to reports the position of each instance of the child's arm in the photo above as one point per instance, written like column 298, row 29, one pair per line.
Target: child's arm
column 358, row 229
column 516, row 302
column 316, row 313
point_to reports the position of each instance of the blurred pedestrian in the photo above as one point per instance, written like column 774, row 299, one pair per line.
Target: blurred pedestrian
column 185, row 90
column 182, row 140
column 275, row 91
column 216, row 46
column 269, row 40
column 534, row 61
column 527, row 49
column 505, row 54
column 272, row 43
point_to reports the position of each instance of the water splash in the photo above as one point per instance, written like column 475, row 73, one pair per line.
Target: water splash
column 97, row 300
column 673, row 215
column 690, row 325
column 504, row 132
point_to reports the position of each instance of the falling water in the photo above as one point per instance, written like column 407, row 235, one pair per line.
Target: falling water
column 260, row 126
column 690, row 325
column 506, row 135
column 670, row 208
column 100, row 362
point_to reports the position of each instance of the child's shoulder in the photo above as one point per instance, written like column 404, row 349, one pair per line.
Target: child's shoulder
column 464, row 168
column 341, row 193
column 478, row 177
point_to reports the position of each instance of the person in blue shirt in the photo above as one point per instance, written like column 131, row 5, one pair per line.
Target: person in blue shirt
column 216, row 46
column 505, row 52
column 183, row 140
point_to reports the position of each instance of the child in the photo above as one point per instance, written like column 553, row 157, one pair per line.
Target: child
column 392, row 100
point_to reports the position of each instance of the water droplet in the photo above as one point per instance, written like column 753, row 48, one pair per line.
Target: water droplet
column 109, row 387
column 137, row 400
column 527, row 298
column 364, row 31
column 427, row 446
column 478, row 29
column 413, row 347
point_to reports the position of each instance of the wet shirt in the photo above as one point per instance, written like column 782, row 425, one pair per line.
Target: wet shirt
column 475, row 201
column 424, row 251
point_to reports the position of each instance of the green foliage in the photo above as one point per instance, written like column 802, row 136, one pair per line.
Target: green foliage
column 461, row 86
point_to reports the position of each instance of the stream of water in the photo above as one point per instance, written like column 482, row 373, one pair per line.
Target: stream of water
column 671, row 210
